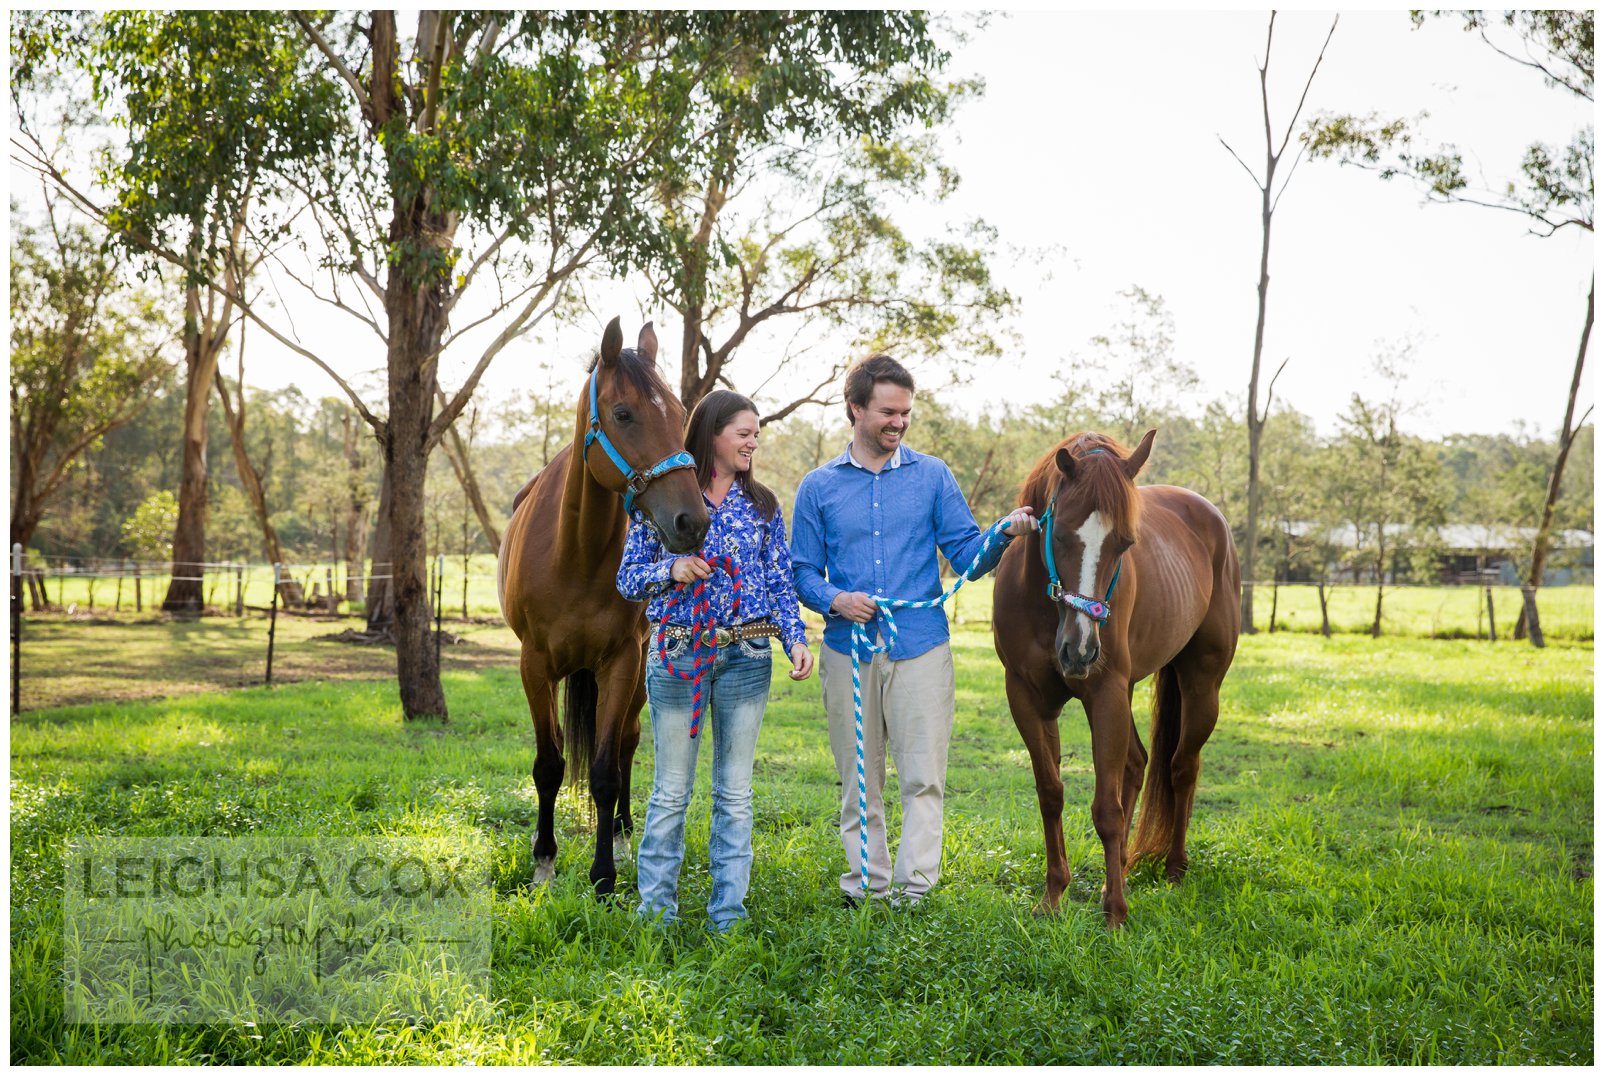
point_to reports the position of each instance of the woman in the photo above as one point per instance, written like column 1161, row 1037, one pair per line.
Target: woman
column 748, row 528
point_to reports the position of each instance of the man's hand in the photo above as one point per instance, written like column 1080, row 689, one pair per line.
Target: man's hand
column 1020, row 521
column 855, row 605
column 690, row 569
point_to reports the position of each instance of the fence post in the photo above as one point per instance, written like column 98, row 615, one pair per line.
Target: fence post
column 239, row 590
column 139, row 598
column 1492, row 625
column 439, row 600
column 328, row 577
column 272, row 623
column 16, row 627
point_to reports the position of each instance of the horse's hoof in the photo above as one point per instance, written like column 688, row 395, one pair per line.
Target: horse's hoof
column 622, row 853
column 1046, row 908
column 1114, row 918
column 1176, row 871
column 545, row 872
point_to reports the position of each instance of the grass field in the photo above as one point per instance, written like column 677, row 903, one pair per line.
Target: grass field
column 1426, row 612
column 1391, row 863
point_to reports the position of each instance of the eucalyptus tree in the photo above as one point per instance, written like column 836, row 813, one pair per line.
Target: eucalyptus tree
column 785, row 204
column 211, row 106
column 1554, row 191
column 1269, row 200
column 87, row 354
column 505, row 150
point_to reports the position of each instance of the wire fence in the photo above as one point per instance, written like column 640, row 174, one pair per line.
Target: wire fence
column 89, row 635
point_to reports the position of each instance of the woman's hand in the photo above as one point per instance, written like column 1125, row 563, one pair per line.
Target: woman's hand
column 690, row 569
column 801, row 662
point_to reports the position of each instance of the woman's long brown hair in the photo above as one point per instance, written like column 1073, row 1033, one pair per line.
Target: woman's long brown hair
column 713, row 413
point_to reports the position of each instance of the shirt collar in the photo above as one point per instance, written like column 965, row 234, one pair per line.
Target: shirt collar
column 736, row 495
column 902, row 455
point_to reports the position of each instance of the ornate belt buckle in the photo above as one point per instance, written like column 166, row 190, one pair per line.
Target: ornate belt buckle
column 723, row 637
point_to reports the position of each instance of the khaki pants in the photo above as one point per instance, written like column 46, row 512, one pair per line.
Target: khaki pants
column 908, row 704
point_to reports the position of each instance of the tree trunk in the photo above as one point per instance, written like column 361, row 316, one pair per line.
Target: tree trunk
column 250, row 481
column 1275, row 602
column 1534, row 626
column 414, row 301
column 1567, row 435
column 457, row 453
column 189, row 534
column 1381, row 576
column 1255, row 420
column 1325, row 619
column 381, row 595
column 356, row 515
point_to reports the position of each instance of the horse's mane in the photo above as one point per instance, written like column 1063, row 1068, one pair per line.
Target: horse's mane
column 1099, row 479
column 639, row 372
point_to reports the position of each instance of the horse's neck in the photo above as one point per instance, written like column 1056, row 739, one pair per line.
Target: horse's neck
column 593, row 520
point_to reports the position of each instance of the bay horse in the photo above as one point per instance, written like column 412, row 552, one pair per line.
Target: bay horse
column 1120, row 584
column 556, row 580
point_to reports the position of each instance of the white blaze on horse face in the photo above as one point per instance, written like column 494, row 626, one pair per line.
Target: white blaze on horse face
column 659, row 402
column 1091, row 535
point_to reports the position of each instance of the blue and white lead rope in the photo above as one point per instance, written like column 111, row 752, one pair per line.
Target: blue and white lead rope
column 860, row 638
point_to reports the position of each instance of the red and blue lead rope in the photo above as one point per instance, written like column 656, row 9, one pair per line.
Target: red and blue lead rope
column 703, row 650
column 860, row 643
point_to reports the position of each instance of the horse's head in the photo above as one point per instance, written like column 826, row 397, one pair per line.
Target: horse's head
column 1094, row 520
column 635, row 441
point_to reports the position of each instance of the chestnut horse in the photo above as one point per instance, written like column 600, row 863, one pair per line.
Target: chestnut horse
column 556, row 578
column 1120, row 584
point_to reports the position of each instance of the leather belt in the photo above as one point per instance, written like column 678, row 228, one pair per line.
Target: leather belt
column 756, row 629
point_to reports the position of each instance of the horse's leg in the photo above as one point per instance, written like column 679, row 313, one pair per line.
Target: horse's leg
column 1135, row 768
column 617, row 684
column 1200, row 710
column 541, row 691
column 1038, row 727
column 1108, row 712
column 624, row 823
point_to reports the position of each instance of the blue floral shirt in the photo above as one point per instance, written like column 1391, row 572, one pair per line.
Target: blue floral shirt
column 736, row 530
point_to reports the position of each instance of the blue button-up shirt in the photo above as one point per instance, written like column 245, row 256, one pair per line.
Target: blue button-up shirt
column 737, row 530
column 857, row 530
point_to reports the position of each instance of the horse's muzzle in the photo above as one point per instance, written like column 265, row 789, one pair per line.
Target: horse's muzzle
column 685, row 533
column 1074, row 666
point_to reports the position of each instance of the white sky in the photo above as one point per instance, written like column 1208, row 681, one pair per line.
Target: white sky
column 1098, row 142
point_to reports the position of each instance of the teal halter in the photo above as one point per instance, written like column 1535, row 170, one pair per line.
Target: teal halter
column 635, row 481
column 1099, row 611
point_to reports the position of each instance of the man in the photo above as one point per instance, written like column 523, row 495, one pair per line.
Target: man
column 869, row 522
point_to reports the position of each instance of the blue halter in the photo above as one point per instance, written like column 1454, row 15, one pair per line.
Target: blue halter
column 1099, row 611
column 635, row 482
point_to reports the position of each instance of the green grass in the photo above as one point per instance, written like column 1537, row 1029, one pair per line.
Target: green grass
column 1391, row 863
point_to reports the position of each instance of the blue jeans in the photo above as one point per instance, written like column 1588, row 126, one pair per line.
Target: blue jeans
column 736, row 689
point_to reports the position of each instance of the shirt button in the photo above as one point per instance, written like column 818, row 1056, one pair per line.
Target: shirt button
column 877, row 534
column 877, row 559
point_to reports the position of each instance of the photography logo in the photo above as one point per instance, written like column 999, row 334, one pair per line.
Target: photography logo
column 275, row 929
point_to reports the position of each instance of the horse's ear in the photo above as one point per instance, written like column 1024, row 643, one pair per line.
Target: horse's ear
column 612, row 343
column 648, row 343
column 1066, row 463
column 1138, row 459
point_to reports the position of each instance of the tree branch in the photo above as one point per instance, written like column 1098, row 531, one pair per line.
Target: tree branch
column 345, row 73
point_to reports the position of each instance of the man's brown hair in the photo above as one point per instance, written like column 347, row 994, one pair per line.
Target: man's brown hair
column 867, row 373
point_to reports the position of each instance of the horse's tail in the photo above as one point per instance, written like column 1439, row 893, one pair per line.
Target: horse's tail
column 1155, row 825
column 579, row 724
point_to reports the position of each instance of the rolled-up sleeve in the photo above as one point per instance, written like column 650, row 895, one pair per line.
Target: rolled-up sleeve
column 644, row 570
column 808, row 550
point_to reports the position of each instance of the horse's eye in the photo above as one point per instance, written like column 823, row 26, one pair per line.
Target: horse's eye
column 621, row 414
